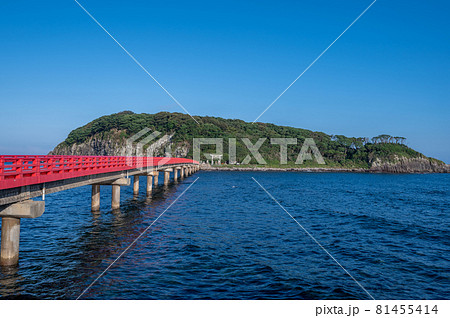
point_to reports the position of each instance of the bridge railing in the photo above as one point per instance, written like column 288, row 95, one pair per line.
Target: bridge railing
column 17, row 171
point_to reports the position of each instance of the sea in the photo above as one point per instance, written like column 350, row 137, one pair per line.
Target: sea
column 242, row 235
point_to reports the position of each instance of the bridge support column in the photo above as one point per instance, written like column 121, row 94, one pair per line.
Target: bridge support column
column 155, row 178
column 175, row 174
column 116, row 184
column 181, row 172
column 115, row 198
column 10, row 241
column 95, row 198
column 167, row 176
column 136, row 185
column 149, row 184
column 11, row 215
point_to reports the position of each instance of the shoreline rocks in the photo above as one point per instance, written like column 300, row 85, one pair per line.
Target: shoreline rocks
column 378, row 169
column 409, row 165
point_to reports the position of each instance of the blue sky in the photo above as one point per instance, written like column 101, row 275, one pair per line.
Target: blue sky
column 388, row 74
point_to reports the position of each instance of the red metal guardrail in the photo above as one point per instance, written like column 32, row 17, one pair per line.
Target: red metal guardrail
column 17, row 171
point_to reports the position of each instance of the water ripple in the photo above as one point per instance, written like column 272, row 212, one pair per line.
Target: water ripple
column 226, row 239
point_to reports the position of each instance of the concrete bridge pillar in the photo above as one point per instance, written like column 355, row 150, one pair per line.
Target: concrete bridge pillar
column 10, row 241
column 181, row 172
column 155, row 178
column 11, row 215
column 95, row 199
column 136, row 185
column 115, row 197
column 167, row 176
column 149, row 184
column 175, row 173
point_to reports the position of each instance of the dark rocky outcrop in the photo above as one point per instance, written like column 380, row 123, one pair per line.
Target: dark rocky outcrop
column 409, row 165
column 96, row 145
column 115, row 145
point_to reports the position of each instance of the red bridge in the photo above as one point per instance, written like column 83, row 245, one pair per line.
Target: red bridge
column 17, row 171
column 25, row 177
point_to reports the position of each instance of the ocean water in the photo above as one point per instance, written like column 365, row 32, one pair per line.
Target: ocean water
column 226, row 238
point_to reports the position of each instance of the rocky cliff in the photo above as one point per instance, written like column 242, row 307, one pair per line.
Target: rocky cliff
column 409, row 165
column 114, row 144
column 97, row 145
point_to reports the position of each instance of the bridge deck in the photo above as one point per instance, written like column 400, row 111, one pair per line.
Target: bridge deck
column 19, row 171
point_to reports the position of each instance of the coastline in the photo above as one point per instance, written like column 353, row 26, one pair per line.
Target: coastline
column 214, row 168
column 316, row 169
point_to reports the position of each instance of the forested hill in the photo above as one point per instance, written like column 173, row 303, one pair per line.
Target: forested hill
column 107, row 136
